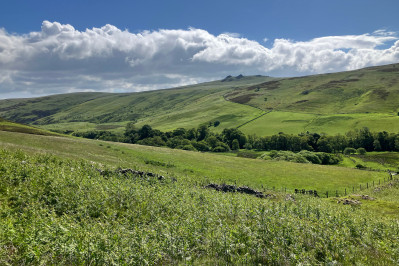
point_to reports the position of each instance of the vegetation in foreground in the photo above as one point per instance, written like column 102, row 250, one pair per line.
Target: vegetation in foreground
column 63, row 211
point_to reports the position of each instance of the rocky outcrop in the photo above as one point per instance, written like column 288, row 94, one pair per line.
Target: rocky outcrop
column 232, row 188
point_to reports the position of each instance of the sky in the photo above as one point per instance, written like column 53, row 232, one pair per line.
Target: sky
column 58, row 46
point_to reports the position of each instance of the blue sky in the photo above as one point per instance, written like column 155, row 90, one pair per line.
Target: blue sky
column 131, row 45
column 293, row 19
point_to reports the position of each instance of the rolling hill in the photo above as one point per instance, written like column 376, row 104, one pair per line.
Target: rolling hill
column 9, row 126
column 331, row 103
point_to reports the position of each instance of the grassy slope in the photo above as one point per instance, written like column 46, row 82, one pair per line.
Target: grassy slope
column 200, row 167
column 60, row 211
column 366, row 90
column 297, row 122
column 331, row 103
column 165, row 109
column 6, row 125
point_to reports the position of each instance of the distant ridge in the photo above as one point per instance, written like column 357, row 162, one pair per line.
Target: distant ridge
column 330, row 103
column 231, row 78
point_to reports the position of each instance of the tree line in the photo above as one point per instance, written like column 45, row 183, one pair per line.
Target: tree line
column 203, row 139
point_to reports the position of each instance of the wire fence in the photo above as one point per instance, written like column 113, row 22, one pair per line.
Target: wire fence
column 348, row 190
column 327, row 193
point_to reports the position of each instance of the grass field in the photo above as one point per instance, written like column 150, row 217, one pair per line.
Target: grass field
column 200, row 167
column 57, row 208
column 295, row 123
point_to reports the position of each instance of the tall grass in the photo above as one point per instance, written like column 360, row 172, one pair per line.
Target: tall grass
column 62, row 211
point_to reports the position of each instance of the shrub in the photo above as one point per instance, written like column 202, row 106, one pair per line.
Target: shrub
column 361, row 151
column 303, row 157
column 219, row 149
column 311, row 157
column 188, row 148
column 235, row 145
column 348, row 151
column 360, row 166
column 155, row 141
column 200, row 145
column 248, row 146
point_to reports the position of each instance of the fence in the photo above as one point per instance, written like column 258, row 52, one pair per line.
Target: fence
column 346, row 191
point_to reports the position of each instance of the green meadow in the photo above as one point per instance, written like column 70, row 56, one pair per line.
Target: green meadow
column 295, row 123
column 201, row 167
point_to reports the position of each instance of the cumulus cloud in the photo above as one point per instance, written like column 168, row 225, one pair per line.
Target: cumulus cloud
column 60, row 58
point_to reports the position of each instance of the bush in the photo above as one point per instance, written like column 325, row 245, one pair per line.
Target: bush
column 155, row 141
column 235, row 145
column 348, row 151
column 360, row 166
column 188, row 148
column 361, row 151
column 219, row 149
column 248, row 146
column 311, row 157
column 286, row 156
column 303, row 157
column 200, row 145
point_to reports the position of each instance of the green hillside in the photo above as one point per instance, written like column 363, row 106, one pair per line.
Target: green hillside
column 369, row 90
column 6, row 125
column 166, row 109
column 57, row 207
column 331, row 103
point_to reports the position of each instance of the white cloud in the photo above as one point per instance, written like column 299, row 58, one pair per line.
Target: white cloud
column 60, row 58
column 232, row 34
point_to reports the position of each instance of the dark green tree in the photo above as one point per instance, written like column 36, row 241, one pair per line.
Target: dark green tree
column 202, row 132
column 235, row 145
